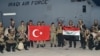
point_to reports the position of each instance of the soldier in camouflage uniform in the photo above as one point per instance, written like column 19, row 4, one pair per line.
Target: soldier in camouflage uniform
column 53, row 35
column 11, row 42
column 22, row 34
column 2, row 43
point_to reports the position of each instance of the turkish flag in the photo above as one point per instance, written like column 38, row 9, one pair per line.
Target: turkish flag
column 38, row 33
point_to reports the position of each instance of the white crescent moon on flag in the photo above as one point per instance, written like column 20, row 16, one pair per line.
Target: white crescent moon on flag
column 34, row 33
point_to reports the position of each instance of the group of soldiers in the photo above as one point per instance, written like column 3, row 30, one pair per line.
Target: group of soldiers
column 12, row 38
column 90, row 36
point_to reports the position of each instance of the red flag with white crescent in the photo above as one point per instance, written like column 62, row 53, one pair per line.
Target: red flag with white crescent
column 36, row 33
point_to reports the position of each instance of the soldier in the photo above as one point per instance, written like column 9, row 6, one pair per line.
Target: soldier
column 43, row 41
column 22, row 32
column 11, row 42
column 2, row 43
column 53, row 35
column 92, row 38
column 38, row 41
column 71, row 38
column 60, row 36
column 86, row 38
column 82, row 27
column 11, row 27
column 30, row 23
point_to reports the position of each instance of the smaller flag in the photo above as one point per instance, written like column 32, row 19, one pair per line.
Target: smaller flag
column 71, row 31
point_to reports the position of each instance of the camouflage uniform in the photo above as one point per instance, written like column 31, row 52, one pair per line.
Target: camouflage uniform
column 21, row 28
column 53, row 36
column 10, row 42
column 2, row 43
column 23, row 38
column 97, row 45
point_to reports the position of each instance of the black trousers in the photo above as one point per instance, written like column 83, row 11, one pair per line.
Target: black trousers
column 25, row 45
column 10, row 46
column 60, row 40
column 83, row 42
column 1, row 48
column 90, row 43
column 30, row 43
column 97, row 47
column 72, row 39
